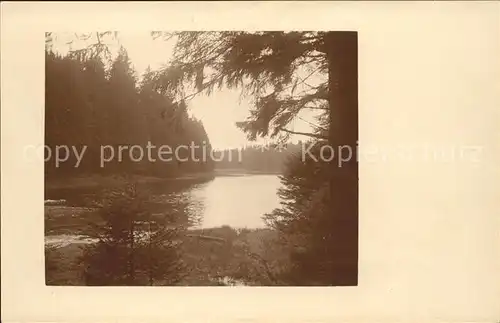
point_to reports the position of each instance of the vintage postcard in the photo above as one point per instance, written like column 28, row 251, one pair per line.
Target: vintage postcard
column 165, row 161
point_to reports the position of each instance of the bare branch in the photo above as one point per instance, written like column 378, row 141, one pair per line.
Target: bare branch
column 313, row 135
column 312, row 124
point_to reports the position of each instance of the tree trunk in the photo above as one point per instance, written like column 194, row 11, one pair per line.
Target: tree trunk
column 342, row 53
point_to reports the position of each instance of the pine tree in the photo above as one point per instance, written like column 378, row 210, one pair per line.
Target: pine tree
column 135, row 247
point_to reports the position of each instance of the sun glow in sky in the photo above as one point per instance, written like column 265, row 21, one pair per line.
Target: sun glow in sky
column 219, row 112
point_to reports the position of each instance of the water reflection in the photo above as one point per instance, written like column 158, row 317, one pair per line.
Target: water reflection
column 180, row 205
column 236, row 201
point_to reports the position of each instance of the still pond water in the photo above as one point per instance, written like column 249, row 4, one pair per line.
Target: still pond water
column 237, row 201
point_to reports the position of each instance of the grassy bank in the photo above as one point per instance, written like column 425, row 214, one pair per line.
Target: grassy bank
column 210, row 255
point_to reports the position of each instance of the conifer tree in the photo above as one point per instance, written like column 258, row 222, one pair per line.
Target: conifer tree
column 135, row 246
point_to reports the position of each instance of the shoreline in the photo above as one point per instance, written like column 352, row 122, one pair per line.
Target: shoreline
column 106, row 181
column 209, row 233
column 242, row 172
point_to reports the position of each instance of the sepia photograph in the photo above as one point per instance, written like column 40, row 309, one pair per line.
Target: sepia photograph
column 201, row 158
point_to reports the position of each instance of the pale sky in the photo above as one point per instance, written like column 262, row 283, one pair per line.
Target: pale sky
column 219, row 112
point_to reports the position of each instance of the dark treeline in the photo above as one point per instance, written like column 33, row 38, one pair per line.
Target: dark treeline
column 256, row 158
column 90, row 105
